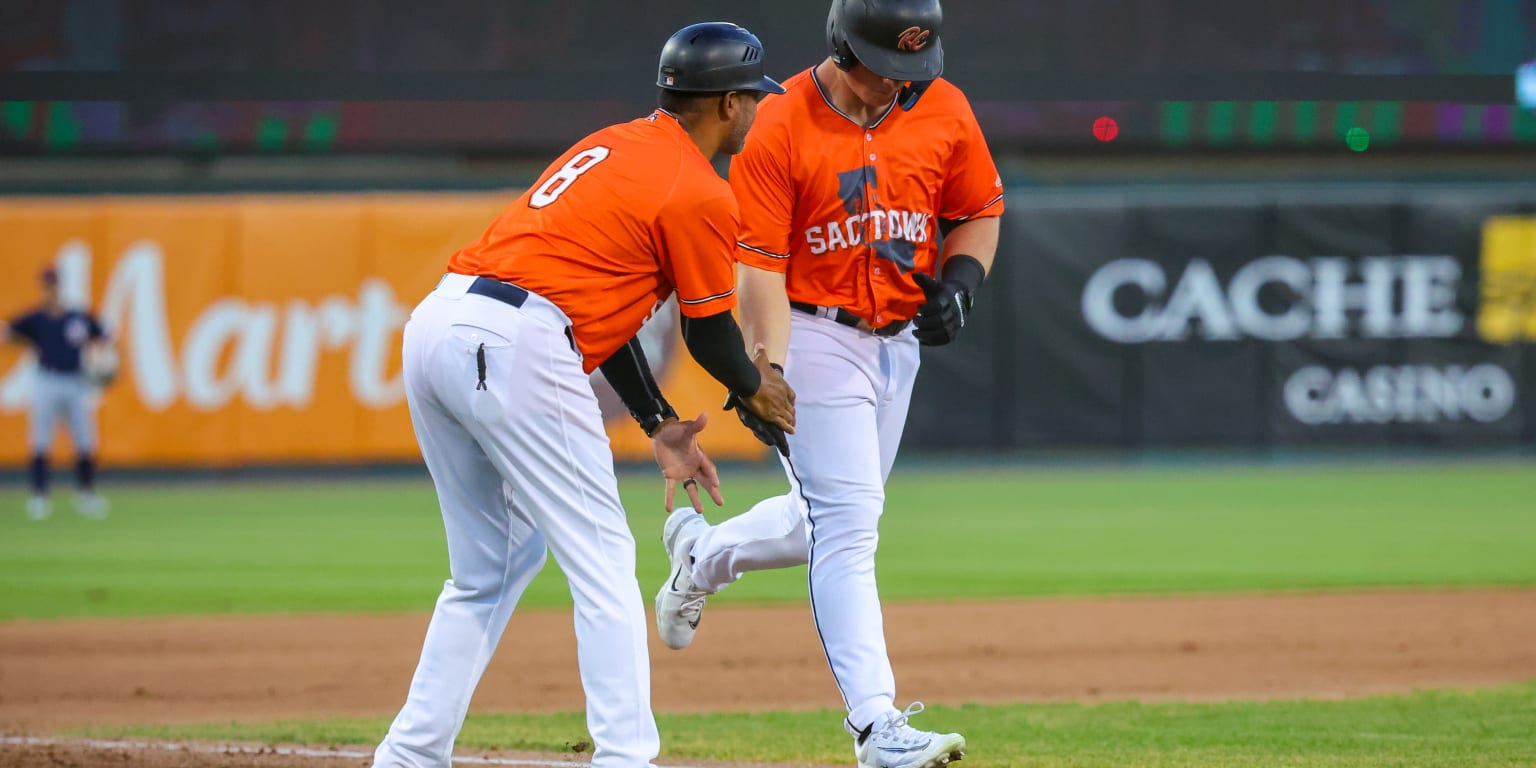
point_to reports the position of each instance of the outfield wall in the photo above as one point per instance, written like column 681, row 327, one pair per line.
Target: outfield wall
column 265, row 328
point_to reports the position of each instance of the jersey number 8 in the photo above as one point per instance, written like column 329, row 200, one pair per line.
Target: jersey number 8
column 561, row 180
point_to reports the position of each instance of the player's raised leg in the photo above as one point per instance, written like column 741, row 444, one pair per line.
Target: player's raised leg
column 706, row 559
column 772, row 534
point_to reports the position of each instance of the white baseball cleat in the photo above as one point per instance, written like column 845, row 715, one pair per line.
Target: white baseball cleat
column 898, row 745
column 91, row 505
column 680, row 604
column 38, row 508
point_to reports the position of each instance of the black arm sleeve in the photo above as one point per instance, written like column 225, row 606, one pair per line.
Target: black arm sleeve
column 630, row 376
column 716, row 342
column 964, row 270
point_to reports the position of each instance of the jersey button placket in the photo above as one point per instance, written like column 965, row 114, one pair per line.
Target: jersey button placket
column 869, row 139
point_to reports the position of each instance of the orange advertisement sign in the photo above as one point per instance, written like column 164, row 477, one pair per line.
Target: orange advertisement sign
column 266, row 329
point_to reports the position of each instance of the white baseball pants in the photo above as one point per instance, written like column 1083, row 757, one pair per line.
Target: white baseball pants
column 852, row 392
column 518, row 465
column 58, row 396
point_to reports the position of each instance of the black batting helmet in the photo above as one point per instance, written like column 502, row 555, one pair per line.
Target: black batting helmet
column 713, row 57
column 897, row 39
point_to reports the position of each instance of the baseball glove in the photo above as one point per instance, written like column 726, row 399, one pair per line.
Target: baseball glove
column 100, row 365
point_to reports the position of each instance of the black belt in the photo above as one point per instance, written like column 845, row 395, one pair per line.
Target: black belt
column 508, row 293
column 495, row 289
column 844, row 317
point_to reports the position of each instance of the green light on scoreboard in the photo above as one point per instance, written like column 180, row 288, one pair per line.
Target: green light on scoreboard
column 1358, row 139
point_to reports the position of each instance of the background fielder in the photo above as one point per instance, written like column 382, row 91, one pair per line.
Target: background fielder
column 60, row 337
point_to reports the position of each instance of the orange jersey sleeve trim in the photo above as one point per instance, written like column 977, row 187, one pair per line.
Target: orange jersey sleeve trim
column 753, row 256
column 994, row 207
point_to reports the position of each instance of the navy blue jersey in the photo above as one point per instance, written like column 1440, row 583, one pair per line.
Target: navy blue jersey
column 58, row 337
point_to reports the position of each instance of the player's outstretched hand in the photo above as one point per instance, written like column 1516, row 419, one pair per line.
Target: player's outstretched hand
column 774, row 401
column 676, row 445
column 941, row 317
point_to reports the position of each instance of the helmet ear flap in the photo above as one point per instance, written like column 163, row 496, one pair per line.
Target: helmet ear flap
column 842, row 56
column 837, row 42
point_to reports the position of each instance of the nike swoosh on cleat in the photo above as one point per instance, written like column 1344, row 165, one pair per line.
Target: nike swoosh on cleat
column 675, row 577
column 900, row 750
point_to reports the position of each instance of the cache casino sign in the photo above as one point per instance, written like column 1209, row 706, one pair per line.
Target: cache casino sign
column 1408, row 345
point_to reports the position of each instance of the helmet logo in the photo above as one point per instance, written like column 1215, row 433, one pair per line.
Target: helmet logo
column 912, row 39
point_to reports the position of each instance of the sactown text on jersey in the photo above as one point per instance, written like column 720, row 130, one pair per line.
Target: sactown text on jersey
column 881, row 225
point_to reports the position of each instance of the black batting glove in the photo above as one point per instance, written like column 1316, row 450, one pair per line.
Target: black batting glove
column 767, row 432
column 940, row 318
column 771, row 434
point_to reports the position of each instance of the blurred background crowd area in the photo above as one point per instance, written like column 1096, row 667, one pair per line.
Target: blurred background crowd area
column 1180, row 36
column 509, row 78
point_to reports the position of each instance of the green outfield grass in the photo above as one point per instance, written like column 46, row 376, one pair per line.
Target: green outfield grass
column 1442, row 728
column 372, row 545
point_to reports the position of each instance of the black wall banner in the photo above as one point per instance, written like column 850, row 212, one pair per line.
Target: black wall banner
column 1252, row 317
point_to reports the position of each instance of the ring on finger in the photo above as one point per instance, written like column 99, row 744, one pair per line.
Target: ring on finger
column 689, row 483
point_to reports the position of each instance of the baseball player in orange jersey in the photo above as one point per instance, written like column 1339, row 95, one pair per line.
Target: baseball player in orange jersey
column 846, row 184
column 496, row 364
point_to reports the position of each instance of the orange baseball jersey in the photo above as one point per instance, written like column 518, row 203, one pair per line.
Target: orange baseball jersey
column 850, row 212
column 614, row 226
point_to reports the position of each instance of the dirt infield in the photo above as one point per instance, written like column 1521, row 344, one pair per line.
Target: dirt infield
column 65, row 674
